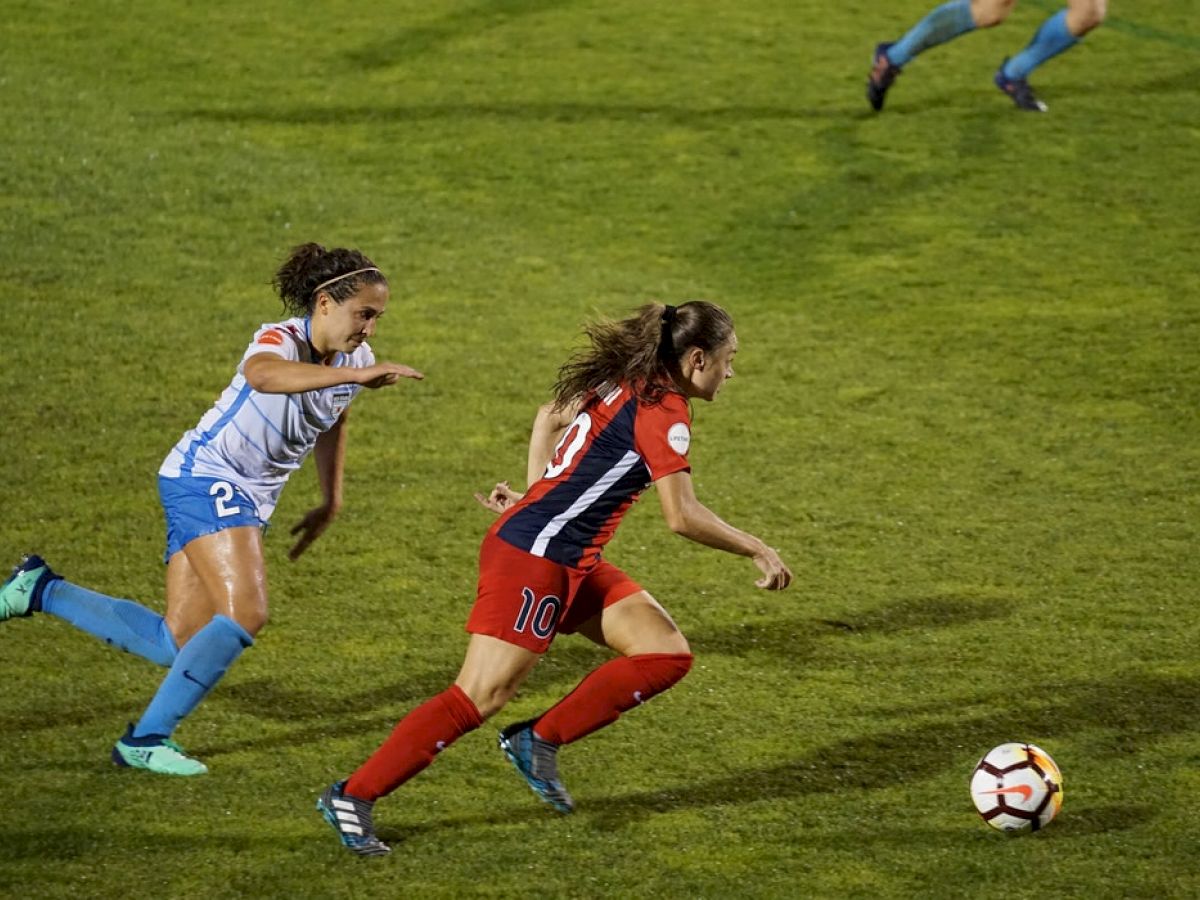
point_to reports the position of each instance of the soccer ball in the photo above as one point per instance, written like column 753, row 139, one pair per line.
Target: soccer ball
column 1017, row 787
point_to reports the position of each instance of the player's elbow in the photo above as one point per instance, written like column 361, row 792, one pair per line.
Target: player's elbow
column 679, row 520
column 256, row 377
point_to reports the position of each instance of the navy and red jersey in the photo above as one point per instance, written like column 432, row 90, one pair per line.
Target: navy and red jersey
column 612, row 451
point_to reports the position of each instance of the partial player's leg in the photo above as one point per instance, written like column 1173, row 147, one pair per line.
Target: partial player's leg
column 1058, row 33
column 654, row 656
column 216, row 603
column 34, row 587
column 491, row 673
column 942, row 24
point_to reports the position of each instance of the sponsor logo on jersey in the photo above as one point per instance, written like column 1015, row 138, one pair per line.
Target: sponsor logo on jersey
column 271, row 337
column 680, row 438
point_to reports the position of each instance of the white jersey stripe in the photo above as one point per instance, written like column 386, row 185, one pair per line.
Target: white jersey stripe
column 265, row 418
column 203, row 440
column 586, row 499
column 250, row 441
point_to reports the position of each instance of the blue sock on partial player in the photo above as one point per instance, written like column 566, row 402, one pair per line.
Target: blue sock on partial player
column 197, row 668
column 1050, row 40
column 122, row 623
column 941, row 24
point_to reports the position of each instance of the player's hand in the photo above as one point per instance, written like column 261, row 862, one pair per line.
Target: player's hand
column 310, row 528
column 501, row 499
column 776, row 574
column 383, row 374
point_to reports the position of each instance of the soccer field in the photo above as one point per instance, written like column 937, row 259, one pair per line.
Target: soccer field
column 965, row 410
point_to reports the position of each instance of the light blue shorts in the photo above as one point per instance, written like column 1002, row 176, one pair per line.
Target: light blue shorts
column 195, row 507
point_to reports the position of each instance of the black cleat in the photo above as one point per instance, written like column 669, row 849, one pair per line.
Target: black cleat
column 1019, row 91
column 350, row 817
column 881, row 76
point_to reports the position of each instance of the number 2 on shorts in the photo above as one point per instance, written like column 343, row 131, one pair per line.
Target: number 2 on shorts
column 223, row 491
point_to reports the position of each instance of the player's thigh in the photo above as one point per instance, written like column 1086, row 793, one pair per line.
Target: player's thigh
column 986, row 13
column 230, row 567
column 639, row 624
column 492, row 671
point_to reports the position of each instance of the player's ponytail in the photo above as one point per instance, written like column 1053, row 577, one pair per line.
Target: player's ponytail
column 311, row 269
column 642, row 351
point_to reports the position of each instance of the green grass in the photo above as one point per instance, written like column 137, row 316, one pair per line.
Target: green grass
column 965, row 412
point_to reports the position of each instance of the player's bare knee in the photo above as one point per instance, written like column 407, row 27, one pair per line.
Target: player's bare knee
column 671, row 642
column 988, row 13
column 252, row 617
column 1084, row 15
column 489, row 699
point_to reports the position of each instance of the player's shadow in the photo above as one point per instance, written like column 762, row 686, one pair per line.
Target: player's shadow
column 415, row 41
column 566, row 112
column 47, row 717
column 794, row 638
column 1178, row 83
column 1143, row 709
column 65, row 844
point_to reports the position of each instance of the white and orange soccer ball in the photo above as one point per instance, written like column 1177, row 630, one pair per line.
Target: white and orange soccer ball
column 1017, row 787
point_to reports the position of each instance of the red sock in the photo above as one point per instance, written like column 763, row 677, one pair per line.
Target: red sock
column 614, row 687
column 414, row 742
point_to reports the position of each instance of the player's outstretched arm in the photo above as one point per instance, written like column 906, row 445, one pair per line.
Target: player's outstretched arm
column 271, row 374
column 688, row 517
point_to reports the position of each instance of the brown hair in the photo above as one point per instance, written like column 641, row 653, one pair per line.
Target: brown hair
column 338, row 271
column 642, row 351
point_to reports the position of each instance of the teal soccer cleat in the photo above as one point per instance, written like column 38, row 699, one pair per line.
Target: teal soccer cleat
column 537, row 762
column 350, row 817
column 21, row 595
column 155, row 753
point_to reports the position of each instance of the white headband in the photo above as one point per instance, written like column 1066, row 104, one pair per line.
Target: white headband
column 325, row 284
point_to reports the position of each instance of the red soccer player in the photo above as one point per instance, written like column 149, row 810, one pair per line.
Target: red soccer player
column 620, row 421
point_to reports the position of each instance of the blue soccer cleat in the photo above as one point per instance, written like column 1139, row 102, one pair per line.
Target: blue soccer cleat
column 350, row 817
column 21, row 595
column 537, row 762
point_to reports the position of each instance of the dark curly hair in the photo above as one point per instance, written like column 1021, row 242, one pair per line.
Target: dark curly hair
column 642, row 351
column 310, row 265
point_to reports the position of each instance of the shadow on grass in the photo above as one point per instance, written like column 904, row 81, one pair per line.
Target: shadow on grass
column 48, row 717
column 1143, row 708
column 565, row 112
column 788, row 638
column 412, row 42
column 63, row 844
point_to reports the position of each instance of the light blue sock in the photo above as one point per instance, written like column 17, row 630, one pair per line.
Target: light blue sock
column 122, row 623
column 197, row 668
column 1050, row 40
column 947, row 21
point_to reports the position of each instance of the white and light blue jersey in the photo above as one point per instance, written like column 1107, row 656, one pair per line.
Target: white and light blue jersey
column 257, row 440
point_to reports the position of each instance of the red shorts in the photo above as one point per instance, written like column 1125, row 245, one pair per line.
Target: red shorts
column 526, row 600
